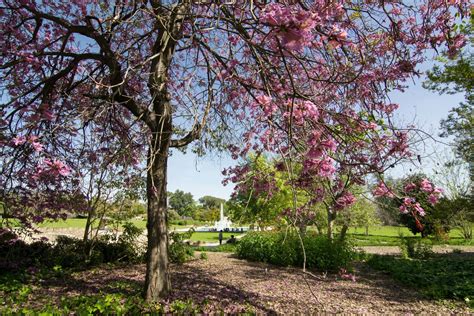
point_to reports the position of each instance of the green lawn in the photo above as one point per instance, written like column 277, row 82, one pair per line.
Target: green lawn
column 389, row 236
column 68, row 223
column 211, row 236
column 81, row 223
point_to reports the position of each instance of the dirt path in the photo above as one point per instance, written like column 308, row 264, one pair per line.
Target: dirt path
column 234, row 285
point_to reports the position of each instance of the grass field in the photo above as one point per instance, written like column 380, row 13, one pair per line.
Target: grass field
column 211, row 236
column 389, row 236
column 81, row 223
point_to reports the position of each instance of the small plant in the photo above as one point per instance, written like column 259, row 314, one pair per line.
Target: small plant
column 466, row 229
column 180, row 250
column 203, row 256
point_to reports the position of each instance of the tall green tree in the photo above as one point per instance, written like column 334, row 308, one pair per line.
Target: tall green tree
column 211, row 202
column 457, row 76
column 182, row 202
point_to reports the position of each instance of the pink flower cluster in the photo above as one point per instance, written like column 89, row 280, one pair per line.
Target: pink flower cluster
column 383, row 190
column 411, row 204
column 434, row 192
column 345, row 200
column 33, row 140
column 293, row 24
column 323, row 167
column 57, row 167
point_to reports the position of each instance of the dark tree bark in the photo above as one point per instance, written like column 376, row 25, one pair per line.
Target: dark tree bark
column 344, row 229
column 157, row 280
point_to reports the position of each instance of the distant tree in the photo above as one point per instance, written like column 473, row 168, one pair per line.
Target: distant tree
column 363, row 213
column 387, row 207
column 261, row 196
column 182, row 202
column 211, row 202
column 206, row 215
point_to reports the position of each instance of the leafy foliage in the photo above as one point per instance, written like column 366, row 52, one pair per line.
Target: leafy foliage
column 180, row 250
column 183, row 203
column 457, row 76
column 415, row 249
column 284, row 249
column 67, row 252
column 438, row 277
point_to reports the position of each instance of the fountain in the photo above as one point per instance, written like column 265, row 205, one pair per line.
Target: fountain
column 224, row 222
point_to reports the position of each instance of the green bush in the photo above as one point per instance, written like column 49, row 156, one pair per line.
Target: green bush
column 415, row 248
column 179, row 251
column 67, row 252
column 285, row 249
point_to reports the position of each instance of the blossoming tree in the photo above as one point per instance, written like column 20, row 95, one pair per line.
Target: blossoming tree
column 161, row 74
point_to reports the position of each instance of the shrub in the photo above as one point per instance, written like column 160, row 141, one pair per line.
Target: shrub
column 67, row 252
column 203, row 256
column 415, row 248
column 285, row 249
column 180, row 250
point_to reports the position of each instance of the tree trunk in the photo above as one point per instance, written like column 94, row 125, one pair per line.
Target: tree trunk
column 344, row 229
column 157, row 280
column 367, row 230
column 302, row 228
column 87, row 229
column 331, row 218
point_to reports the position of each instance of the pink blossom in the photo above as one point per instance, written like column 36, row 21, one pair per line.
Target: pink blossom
column 329, row 144
column 264, row 99
column 403, row 209
column 19, row 140
column 433, row 199
column 326, row 167
column 410, row 187
column 37, row 146
column 58, row 166
column 346, row 276
column 426, row 185
column 417, row 207
column 347, row 199
column 383, row 190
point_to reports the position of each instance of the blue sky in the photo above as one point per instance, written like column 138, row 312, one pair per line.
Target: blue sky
column 424, row 108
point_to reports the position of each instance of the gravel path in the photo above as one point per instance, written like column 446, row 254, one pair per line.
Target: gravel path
column 231, row 285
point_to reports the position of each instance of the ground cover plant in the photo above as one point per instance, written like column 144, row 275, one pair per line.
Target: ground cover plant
column 440, row 276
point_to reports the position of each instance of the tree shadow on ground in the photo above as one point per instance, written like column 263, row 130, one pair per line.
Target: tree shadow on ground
column 201, row 285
